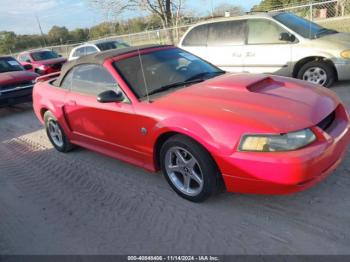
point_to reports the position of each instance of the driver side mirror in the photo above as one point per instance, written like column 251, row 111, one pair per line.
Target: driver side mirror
column 287, row 37
column 28, row 67
column 110, row 96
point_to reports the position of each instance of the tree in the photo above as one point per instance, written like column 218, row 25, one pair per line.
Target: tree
column 167, row 10
column 79, row 34
column 58, row 35
column 101, row 30
column 7, row 42
column 268, row 5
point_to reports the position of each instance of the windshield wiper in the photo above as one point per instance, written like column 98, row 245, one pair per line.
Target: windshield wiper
column 204, row 74
column 174, row 85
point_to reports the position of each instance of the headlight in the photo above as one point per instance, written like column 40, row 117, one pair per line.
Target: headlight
column 345, row 54
column 273, row 143
column 43, row 67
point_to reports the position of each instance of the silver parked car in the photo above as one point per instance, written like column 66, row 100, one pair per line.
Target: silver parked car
column 273, row 43
column 95, row 47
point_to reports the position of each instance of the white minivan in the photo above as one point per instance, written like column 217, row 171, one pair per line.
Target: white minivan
column 272, row 43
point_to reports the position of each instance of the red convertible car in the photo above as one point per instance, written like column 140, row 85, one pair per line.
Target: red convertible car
column 160, row 107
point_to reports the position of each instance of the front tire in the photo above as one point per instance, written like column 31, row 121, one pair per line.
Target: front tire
column 189, row 169
column 317, row 72
column 56, row 134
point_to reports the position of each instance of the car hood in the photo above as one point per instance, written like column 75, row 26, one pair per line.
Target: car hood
column 338, row 39
column 15, row 77
column 51, row 61
column 267, row 103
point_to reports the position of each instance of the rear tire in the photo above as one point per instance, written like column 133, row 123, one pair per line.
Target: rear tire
column 317, row 72
column 56, row 134
column 189, row 169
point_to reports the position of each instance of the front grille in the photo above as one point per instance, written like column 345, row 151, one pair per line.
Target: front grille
column 15, row 85
column 327, row 122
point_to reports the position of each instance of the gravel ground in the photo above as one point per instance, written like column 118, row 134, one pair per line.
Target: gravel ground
column 86, row 203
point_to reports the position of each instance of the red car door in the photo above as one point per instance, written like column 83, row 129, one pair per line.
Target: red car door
column 106, row 127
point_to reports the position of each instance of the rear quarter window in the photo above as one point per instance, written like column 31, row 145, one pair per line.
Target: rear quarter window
column 197, row 36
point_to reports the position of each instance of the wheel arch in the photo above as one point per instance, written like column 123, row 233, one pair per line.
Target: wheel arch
column 163, row 137
column 308, row 59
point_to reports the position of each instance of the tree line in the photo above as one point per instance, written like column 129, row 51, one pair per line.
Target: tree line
column 10, row 42
column 161, row 14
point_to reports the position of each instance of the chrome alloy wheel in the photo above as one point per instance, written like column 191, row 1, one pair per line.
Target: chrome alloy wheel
column 55, row 133
column 184, row 171
column 315, row 75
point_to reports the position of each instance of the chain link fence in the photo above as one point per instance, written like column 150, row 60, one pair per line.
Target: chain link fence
column 160, row 36
column 333, row 14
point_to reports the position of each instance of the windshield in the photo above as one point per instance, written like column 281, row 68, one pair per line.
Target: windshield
column 9, row 64
column 111, row 45
column 44, row 55
column 163, row 70
column 303, row 27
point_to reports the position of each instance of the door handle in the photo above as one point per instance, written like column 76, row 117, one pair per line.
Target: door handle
column 71, row 103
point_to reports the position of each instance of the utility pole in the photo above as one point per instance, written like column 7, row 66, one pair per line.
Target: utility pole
column 41, row 30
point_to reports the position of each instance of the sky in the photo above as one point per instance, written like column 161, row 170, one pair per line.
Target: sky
column 20, row 15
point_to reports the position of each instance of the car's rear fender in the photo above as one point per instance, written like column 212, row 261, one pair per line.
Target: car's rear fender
column 49, row 98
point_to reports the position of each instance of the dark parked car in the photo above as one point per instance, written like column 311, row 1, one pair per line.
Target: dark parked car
column 16, row 82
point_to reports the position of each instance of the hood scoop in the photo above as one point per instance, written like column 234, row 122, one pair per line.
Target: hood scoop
column 245, row 82
column 265, row 85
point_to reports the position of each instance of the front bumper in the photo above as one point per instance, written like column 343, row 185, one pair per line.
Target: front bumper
column 47, row 71
column 343, row 70
column 287, row 172
column 16, row 97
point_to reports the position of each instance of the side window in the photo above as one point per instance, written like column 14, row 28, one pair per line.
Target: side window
column 90, row 50
column 79, row 52
column 227, row 33
column 23, row 58
column 197, row 36
column 263, row 31
column 92, row 80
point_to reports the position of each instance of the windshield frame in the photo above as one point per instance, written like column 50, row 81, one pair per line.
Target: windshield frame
column 146, row 52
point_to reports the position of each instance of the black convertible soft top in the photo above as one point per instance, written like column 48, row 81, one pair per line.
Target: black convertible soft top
column 100, row 58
